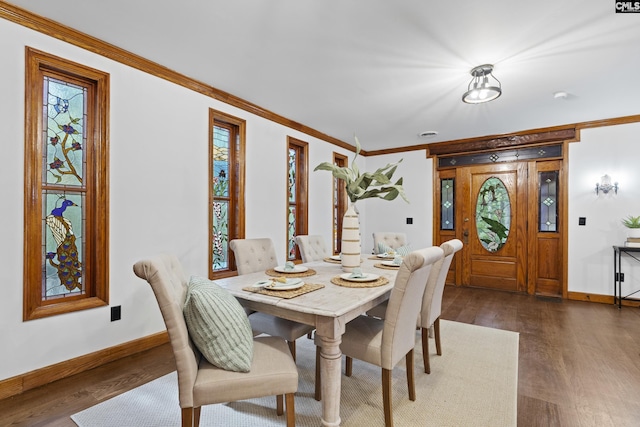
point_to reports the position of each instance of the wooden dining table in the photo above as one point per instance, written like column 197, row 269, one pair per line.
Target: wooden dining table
column 328, row 309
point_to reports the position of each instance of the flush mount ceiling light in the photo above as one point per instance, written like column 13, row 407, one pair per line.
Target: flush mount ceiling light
column 480, row 89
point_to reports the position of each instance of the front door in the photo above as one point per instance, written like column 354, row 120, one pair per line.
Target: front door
column 493, row 218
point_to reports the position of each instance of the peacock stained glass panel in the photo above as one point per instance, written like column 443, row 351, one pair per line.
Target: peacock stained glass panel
column 493, row 214
column 220, row 235
column 291, row 239
column 65, row 115
column 221, row 138
column 292, row 175
column 63, row 244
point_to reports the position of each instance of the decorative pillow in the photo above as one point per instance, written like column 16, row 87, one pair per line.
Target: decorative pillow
column 402, row 250
column 218, row 325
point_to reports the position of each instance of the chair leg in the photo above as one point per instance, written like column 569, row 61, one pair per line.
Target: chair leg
column 292, row 349
column 348, row 368
column 436, row 333
column 425, row 350
column 386, row 397
column 196, row 416
column 187, row 417
column 291, row 410
column 279, row 405
column 318, row 394
column 411, row 384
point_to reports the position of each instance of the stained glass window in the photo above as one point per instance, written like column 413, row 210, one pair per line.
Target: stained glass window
column 226, row 195
column 548, row 197
column 493, row 214
column 66, row 222
column 296, row 195
column 447, row 204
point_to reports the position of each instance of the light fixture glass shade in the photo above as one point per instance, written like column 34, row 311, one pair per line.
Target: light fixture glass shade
column 480, row 89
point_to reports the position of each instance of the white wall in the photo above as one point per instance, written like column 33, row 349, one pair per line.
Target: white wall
column 612, row 150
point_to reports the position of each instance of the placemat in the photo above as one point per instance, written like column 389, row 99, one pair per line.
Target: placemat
column 272, row 272
column 333, row 261
column 306, row 288
column 380, row 281
column 387, row 267
column 376, row 257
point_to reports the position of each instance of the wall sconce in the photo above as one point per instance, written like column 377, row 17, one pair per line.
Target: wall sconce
column 605, row 185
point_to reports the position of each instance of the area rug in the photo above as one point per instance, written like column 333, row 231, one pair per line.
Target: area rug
column 473, row 383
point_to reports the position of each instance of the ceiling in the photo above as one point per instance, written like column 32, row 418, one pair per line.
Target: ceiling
column 383, row 70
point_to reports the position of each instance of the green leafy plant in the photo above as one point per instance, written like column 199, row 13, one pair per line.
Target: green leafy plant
column 631, row 221
column 367, row 185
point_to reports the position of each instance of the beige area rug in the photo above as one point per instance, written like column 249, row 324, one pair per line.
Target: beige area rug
column 473, row 383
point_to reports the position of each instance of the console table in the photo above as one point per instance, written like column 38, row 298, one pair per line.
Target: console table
column 617, row 273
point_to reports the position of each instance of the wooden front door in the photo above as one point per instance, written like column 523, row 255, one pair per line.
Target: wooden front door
column 493, row 213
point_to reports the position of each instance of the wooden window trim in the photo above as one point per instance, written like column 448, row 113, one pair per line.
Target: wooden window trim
column 96, row 256
column 236, row 187
column 302, row 193
column 340, row 203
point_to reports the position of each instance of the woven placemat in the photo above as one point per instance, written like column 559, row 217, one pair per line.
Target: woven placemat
column 333, row 261
column 306, row 288
column 380, row 281
column 387, row 267
column 375, row 257
column 272, row 272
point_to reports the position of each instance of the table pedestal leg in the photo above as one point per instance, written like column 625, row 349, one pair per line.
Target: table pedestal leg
column 330, row 367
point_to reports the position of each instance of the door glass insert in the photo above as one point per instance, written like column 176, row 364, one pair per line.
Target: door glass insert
column 548, row 196
column 493, row 214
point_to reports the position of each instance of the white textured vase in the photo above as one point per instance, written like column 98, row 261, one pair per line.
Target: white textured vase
column 351, row 247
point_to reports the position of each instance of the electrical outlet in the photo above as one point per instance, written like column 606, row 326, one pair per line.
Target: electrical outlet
column 116, row 313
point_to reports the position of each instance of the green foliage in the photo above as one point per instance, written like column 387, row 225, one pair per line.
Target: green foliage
column 631, row 221
column 367, row 185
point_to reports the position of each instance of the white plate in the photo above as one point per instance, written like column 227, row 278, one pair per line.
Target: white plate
column 368, row 277
column 279, row 286
column 390, row 264
column 335, row 257
column 296, row 269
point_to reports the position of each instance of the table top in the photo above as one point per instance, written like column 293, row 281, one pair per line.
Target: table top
column 330, row 302
column 626, row 248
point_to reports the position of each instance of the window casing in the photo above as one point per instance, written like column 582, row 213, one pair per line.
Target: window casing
column 297, row 195
column 340, row 202
column 66, row 187
column 226, row 190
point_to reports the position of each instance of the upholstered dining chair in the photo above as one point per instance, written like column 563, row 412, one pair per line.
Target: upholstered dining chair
column 312, row 247
column 431, row 302
column 253, row 255
column 272, row 368
column 388, row 239
column 383, row 342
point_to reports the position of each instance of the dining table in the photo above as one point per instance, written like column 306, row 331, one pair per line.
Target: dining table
column 328, row 307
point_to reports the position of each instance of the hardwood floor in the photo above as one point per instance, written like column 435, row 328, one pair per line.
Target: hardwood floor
column 579, row 364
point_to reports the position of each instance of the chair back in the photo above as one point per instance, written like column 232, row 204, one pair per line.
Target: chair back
column 312, row 247
column 432, row 300
column 254, row 255
column 399, row 332
column 165, row 275
column 393, row 240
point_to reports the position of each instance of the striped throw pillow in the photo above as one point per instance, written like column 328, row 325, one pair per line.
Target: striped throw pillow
column 218, row 325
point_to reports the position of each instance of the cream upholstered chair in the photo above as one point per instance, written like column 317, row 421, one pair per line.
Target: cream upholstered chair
column 272, row 372
column 393, row 240
column 431, row 302
column 384, row 342
column 312, row 248
column 253, row 255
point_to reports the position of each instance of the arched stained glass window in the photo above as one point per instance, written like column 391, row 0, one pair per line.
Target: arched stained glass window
column 493, row 214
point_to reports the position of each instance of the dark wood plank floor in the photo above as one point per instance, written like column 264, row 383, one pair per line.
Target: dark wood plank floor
column 579, row 364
